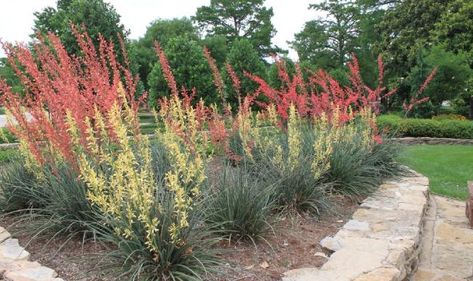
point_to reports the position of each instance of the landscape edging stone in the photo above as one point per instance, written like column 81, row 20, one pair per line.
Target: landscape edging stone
column 382, row 240
column 15, row 264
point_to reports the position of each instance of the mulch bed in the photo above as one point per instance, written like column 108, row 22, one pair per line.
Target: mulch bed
column 293, row 244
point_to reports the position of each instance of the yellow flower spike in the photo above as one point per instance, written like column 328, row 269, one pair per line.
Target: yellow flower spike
column 126, row 192
column 322, row 148
column 31, row 163
column 278, row 156
column 294, row 136
column 272, row 114
column 244, row 131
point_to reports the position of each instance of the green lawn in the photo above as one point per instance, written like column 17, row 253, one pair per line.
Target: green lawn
column 448, row 167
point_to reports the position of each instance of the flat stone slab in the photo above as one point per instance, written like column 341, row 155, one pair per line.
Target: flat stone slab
column 381, row 241
column 447, row 244
column 14, row 263
column 10, row 249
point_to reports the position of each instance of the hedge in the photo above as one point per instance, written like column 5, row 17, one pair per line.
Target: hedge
column 408, row 127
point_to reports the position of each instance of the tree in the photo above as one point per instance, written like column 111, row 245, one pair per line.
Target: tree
column 238, row 19
column 451, row 79
column 406, row 30
column 378, row 4
column 161, row 31
column 189, row 67
column 96, row 16
column 218, row 47
column 332, row 38
column 367, row 38
column 243, row 57
column 312, row 45
column 274, row 79
column 455, row 28
column 8, row 74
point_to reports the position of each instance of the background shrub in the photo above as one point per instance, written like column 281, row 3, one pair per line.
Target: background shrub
column 449, row 116
column 443, row 128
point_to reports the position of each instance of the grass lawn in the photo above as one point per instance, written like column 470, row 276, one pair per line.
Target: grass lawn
column 448, row 167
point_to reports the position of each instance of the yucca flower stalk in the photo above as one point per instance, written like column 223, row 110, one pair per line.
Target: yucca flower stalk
column 56, row 84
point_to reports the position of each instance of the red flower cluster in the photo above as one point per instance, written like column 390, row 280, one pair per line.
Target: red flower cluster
column 57, row 84
column 323, row 94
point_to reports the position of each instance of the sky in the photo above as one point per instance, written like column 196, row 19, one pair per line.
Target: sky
column 17, row 16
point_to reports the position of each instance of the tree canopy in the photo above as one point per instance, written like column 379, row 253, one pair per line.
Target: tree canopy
column 412, row 36
column 237, row 19
column 243, row 58
column 189, row 67
column 332, row 38
column 455, row 28
column 162, row 31
column 408, row 28
column 97, row 16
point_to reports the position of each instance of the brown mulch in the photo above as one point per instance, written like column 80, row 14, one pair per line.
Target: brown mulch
column 292, row 244
column 73, row 259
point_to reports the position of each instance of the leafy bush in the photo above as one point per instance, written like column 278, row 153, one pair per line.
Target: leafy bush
column 239, row 206
column 409, row 127
column 190, row 69
column 451, row 79
column 450, row 116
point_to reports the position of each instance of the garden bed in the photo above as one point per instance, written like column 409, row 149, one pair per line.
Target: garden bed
column 186, row 203
column 294, row 243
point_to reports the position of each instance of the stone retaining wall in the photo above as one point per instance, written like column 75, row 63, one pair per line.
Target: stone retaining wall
column 5, row 146
column 14, row 263
column 426, row 140
column 382, row 240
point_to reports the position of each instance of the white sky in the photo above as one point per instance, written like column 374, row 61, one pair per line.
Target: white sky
column 17, row 17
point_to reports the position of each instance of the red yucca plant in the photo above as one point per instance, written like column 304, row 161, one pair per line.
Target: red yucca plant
column 218, row 81
column 324, row 95
column 57, row 83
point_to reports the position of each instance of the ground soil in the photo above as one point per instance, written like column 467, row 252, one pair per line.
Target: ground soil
column 294, row 243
